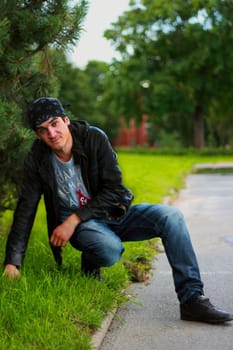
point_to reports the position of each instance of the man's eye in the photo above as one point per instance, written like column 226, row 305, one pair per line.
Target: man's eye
column 41, row 131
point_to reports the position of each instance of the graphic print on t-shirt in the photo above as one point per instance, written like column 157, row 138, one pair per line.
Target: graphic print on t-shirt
column 82, row 198
column 72, row 192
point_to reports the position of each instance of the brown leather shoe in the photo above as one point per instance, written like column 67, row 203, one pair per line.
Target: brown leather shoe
column 200, row 309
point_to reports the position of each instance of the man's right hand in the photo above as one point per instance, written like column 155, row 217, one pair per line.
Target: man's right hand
column 11, row 271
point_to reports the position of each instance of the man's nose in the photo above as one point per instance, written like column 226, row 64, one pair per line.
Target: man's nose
column 51, row 131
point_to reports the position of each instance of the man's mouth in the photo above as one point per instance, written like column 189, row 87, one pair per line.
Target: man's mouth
column 55, row 140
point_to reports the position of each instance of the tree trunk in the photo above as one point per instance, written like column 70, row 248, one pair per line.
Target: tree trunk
column 198, row 128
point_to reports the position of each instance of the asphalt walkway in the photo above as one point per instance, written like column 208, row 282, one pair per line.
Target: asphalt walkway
column 154, row 323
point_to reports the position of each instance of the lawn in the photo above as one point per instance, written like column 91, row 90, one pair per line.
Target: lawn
column 50, row 308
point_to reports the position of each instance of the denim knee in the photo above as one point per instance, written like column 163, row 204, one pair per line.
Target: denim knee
column 109, row 254
column 99, row 242
column 171, row 220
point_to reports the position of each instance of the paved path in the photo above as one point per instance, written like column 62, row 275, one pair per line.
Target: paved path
column 207, row 203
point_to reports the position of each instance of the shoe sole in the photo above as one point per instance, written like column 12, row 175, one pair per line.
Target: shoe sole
column 183, row 318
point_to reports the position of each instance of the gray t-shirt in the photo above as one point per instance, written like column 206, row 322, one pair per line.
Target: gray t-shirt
column 72, row 191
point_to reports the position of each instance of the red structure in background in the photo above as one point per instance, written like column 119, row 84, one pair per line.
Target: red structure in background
column 132, row 135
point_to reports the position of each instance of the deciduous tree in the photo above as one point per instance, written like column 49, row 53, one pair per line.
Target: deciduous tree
column 183, row 49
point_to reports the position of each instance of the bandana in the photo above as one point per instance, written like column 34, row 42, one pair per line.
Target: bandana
column 43, row 109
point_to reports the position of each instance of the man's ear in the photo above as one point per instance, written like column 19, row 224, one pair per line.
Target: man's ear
column 66, row 120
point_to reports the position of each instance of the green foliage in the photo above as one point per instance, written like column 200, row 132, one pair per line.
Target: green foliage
column 182, row 49
column 168, row 140
column 73, row 90
column 14, row 142
column 31, row 32
column 30, row 28
column 83, row 90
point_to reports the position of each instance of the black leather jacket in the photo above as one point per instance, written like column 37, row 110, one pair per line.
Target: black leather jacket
column 101, row 175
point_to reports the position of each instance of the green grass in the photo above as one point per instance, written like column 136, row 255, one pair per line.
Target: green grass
column 50, row 308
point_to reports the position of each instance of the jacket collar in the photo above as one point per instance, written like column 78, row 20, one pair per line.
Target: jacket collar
column 79, row 131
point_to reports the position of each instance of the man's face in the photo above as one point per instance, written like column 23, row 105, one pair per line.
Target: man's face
column 55, row 133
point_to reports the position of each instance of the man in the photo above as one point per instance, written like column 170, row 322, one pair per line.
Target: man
column 74, row 166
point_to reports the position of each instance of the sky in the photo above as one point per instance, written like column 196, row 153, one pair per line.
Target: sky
column 92, row 45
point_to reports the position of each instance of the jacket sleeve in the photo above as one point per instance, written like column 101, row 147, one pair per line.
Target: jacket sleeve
column 24, row 215
column 109, row 197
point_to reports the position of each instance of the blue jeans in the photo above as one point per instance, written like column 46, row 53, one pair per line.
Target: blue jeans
column 101, row 242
